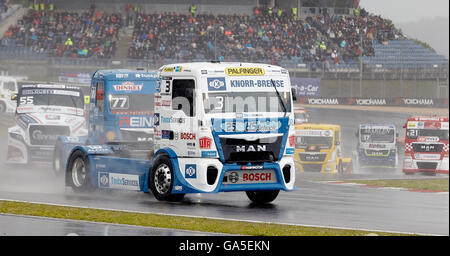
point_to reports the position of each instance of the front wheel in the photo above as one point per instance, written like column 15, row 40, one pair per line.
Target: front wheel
column 79, row 172
column 161, row 180
column 262, row 197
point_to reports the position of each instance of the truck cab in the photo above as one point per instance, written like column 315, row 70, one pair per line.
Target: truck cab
column 377, row 146
column 318, row 149
column 119, row 112
column 218, row 127
column 426, row 145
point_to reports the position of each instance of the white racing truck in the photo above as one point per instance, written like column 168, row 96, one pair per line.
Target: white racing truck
column 44, row 112
column 218, row 127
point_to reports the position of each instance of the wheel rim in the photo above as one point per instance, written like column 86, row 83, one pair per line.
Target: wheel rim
column 78, row 172
column 162, row 179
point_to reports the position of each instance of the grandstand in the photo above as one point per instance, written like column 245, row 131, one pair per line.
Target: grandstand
column 316, row 37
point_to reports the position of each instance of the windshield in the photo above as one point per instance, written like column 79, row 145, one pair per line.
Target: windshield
column 314, row 140
column 415, row 133
column 51, row 97
column 120, row 103
column 378, row 135
column 300, row 117
column 238, row 102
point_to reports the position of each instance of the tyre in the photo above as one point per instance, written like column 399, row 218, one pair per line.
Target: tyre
column 161, row 180
column 57, row 163
column 78, row 173
column 262, row 197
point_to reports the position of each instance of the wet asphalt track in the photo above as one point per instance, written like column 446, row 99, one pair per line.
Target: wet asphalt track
column 314, row 203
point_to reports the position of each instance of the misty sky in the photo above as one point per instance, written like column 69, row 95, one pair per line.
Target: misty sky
column 402, row 11
column 426, row 20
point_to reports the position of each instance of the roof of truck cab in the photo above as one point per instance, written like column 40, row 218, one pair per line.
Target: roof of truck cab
column 203, row 68
column 125, row 74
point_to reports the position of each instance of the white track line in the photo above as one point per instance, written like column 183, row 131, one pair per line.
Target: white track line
column 226, row 219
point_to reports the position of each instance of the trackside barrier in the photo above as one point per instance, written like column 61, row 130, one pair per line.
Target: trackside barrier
column 399, row 102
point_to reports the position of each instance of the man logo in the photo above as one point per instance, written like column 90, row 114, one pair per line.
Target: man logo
column 104, row 180
column 216, row 84
column 156, row 119
column 191, row 171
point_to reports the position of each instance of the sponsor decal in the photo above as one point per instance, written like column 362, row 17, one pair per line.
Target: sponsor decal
column 244, row 71
column 178, row 188
column 216, row 84
column 205, row 142
column 377, row 146
column 190, row 171
column 166, row 135
column 370, row 101
column 39, row 135
column 323, row 101
column 427, row 156
column 427, row 139
column 118, row 181
column 251, row 148
column 256, row 177
column 187, row 136
column 156, row 119
column 209, row 153
column 255, row 83
column 190, row 144
column 418, row 102
column 173, row 120
column 128, row 86
column 306, row 86
column 256, row 167
column 251, row 126
column 290, row 151
column 191, row 153
column 173, row 69
column 135, row 121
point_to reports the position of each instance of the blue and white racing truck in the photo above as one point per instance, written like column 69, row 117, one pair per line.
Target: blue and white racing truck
column 218, row 127
column 376, row 146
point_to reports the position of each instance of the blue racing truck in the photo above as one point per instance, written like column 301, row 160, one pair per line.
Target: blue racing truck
column 218, row 127
column 377, row 146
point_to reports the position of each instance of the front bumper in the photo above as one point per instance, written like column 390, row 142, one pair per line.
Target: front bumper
column 201, row 183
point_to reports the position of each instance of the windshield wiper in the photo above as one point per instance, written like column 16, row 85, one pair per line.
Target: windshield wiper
column 279, row 97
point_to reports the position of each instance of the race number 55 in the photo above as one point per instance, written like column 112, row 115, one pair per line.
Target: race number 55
column 26, row 100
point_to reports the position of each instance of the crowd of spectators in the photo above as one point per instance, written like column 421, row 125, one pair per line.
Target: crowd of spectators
column 267, row 35
column 67, row 34
column 263, row 36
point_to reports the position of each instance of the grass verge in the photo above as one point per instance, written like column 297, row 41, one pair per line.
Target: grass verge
column 174, row 222
column 422, row 184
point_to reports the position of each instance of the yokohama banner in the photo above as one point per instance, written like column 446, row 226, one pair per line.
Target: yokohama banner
column 410, row 102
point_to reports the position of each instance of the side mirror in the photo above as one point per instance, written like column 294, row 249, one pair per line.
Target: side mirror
column 396, row 135
column 294, row 95
column 404, row 125
column 14, row 97
column 337, row 143
column 357, row 134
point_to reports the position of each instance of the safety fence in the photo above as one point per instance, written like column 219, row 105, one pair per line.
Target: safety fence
column 398, row 102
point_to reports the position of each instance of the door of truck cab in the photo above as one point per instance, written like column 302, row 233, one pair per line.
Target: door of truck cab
column 176, row 114
column 96, row 109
